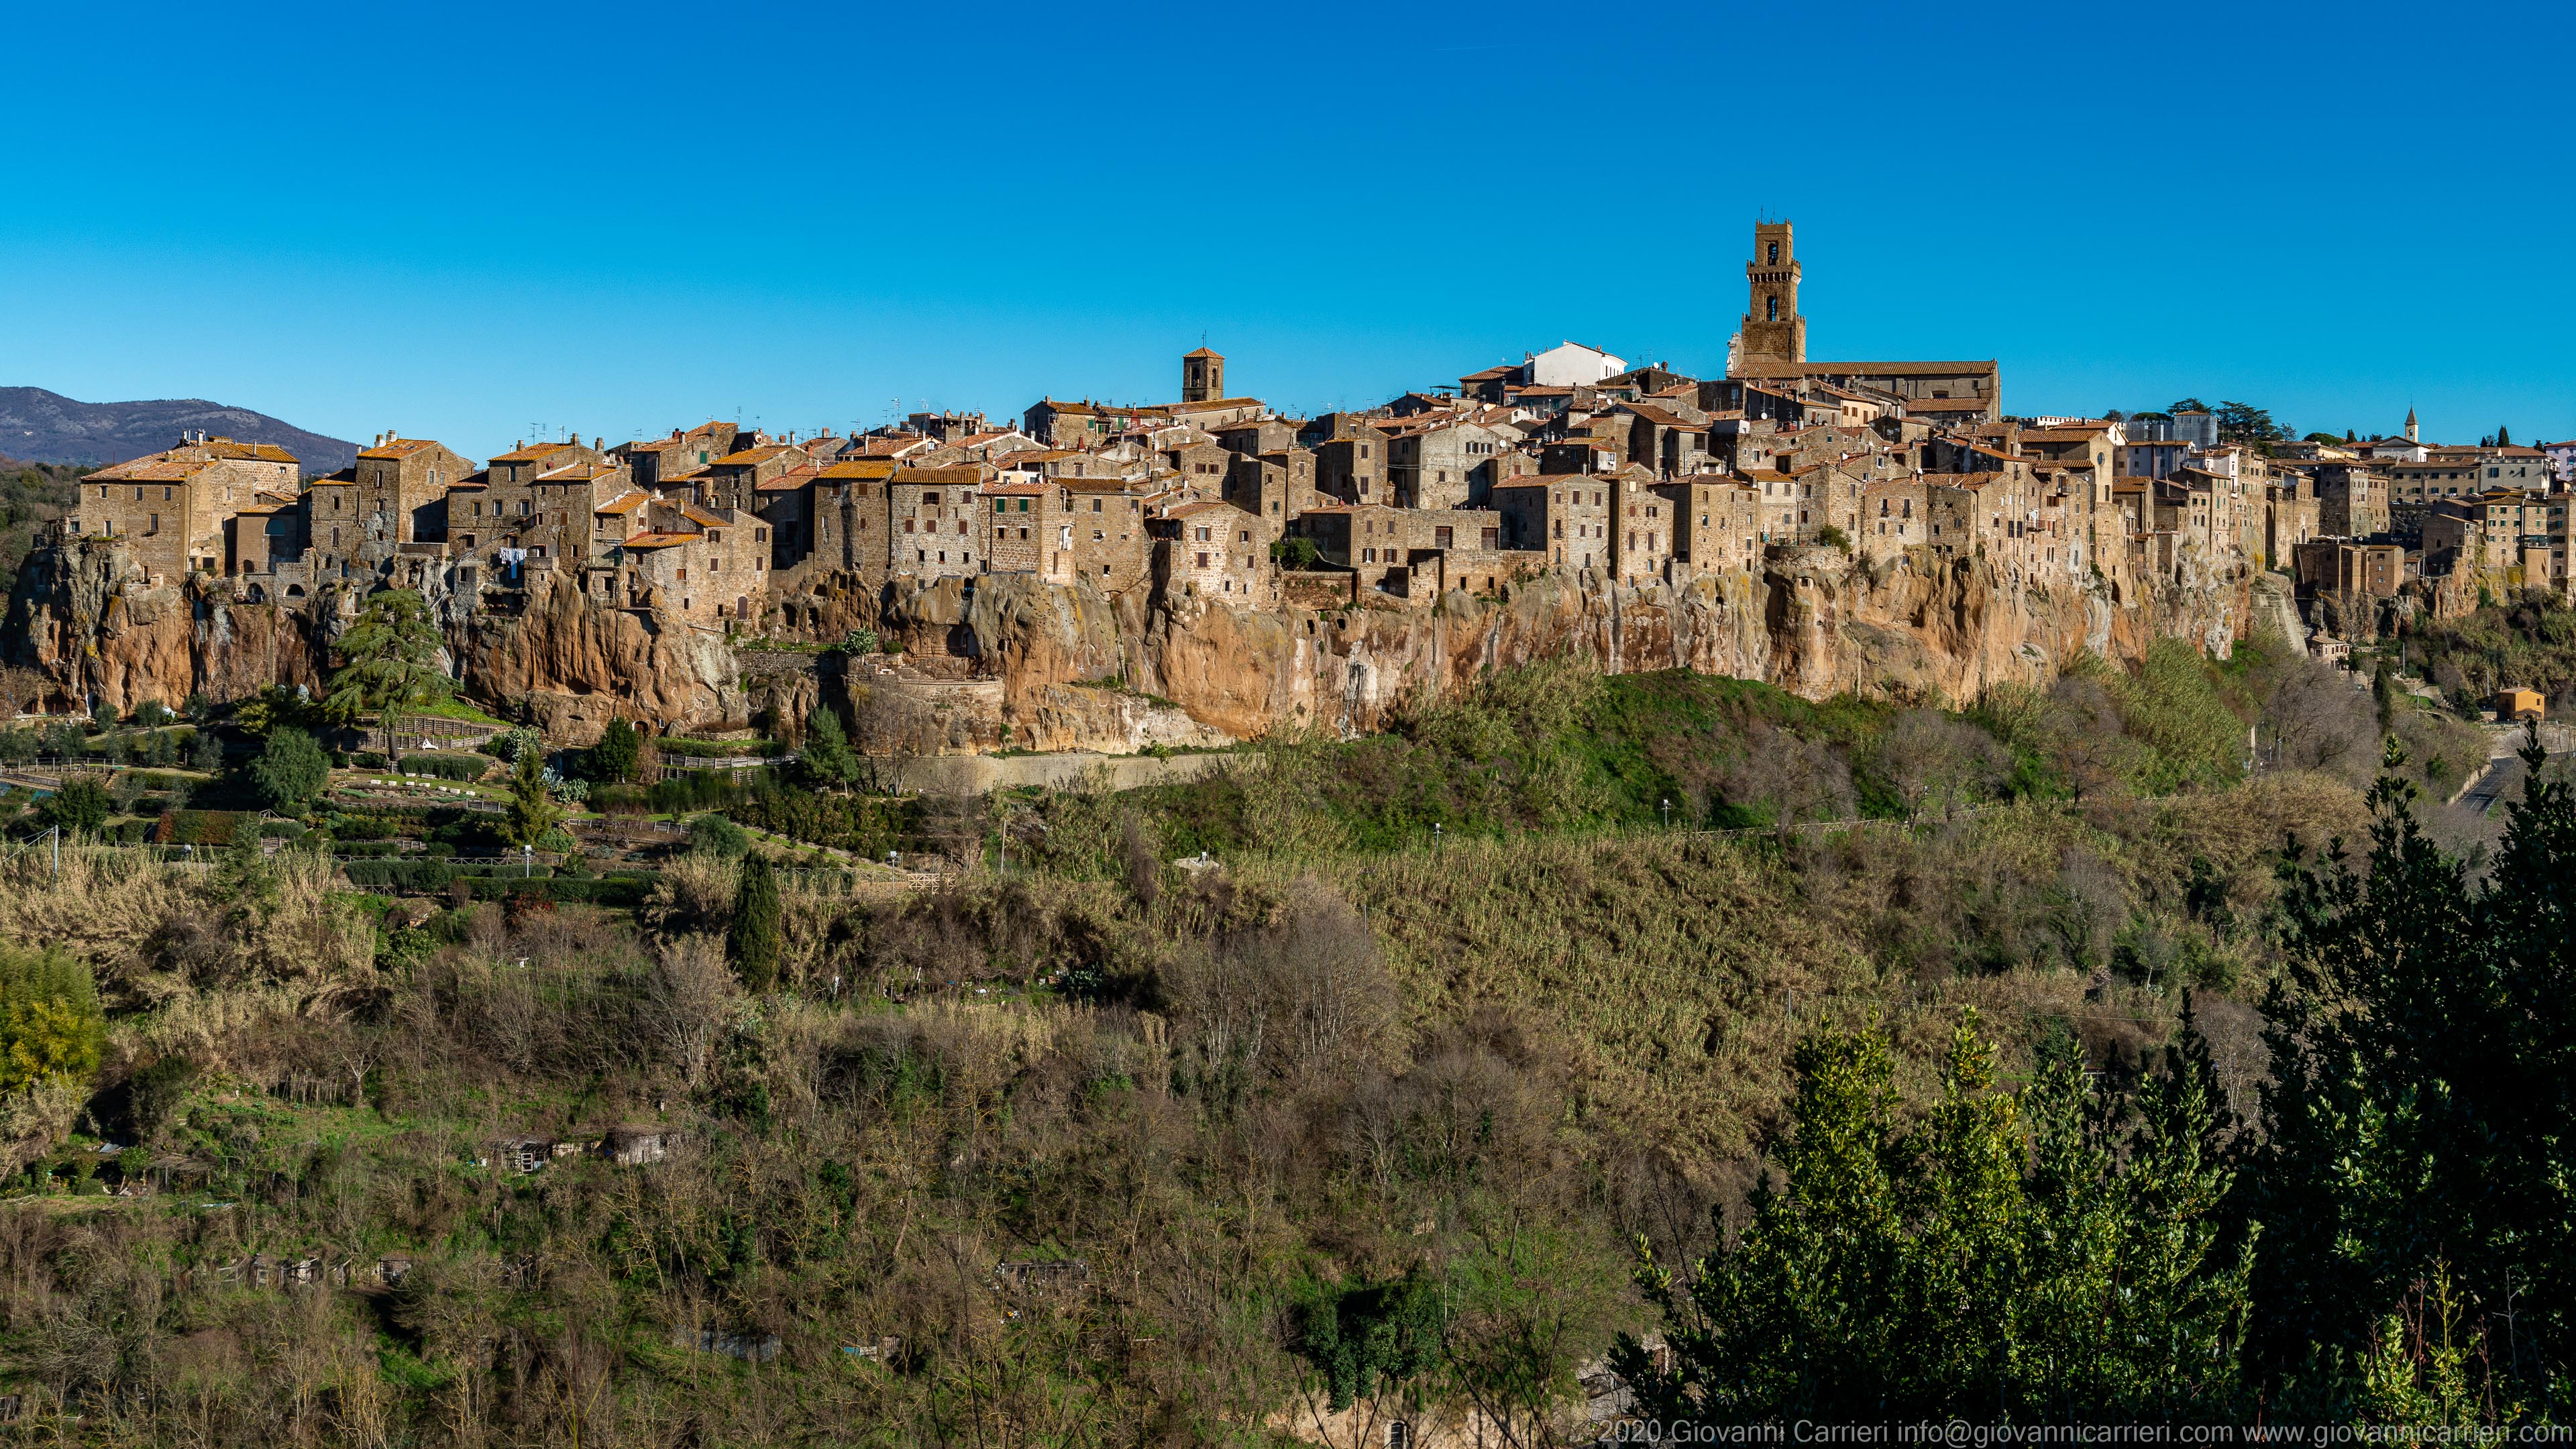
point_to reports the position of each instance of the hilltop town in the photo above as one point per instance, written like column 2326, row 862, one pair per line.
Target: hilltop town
column 1571, row 464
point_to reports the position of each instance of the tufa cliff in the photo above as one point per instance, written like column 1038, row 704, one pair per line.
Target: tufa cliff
column 1010, row 661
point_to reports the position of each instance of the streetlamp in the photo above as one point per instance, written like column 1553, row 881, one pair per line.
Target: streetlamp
column 1666, row 805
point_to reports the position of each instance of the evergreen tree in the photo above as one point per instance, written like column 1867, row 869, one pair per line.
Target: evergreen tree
column 612, row 761
column 756, row 935
column 291, row 769
column 2419, row 1117
column 826, row 757
column 533, row 813
column 389, row 658
column 2000, row 1256
column 80, row 805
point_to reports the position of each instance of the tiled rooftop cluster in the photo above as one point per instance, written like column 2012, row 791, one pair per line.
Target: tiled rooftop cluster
column 1569, row 460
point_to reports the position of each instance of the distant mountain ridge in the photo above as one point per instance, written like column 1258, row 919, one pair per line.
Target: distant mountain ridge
column 47, row 427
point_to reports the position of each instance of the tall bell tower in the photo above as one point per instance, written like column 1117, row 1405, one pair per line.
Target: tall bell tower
column 1202, row 376
column 1772, row 327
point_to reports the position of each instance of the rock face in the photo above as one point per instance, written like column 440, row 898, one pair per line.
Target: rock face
column 1009, row 661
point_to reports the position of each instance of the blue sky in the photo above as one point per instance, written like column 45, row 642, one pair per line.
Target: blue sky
column 480, row 223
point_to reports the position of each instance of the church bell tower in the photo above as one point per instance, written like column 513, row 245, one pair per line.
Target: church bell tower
column 1772, row 327
column 1202, row 376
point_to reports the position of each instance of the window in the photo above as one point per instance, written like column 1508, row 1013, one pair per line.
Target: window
column 930, row 498
column 1774, row 310
column 1774, row 260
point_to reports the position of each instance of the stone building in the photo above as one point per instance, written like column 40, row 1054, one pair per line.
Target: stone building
column 703, row 566
column 1277, row 485
column 1669, row 442
column 1716, row 524
column 400, row 493
column 1259, row 436
column 2291, row 517
column 1444, row 462
column 939, row 530
column 1080, row 424
column 1772, row 327
column 733, row 481
column 265, row 541
column 543, row 503
column 2352, row 500
column 172, row 508
column 1895, row 515
column 1027, row 530
column 1106, row 525
column 1640, row 526
column 1565, row 515
column 1217, row 551
column 656, row 462
column 1356, row 535
column 854, row 518
column 1353, row 468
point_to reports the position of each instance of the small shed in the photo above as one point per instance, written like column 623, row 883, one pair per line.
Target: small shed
column 635, row 1143
column 2513, row 704
column 521, row 1153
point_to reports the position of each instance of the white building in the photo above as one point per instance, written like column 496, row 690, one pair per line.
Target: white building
column 1570, row 364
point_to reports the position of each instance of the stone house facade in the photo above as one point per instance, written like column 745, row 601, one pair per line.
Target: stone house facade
column 1444, row 462
column 1105, row 529
column 1216, row 551
column 1027, row 530
column 1716, row 524
column 939, row 528
column 1564, row 515
column 172, row 509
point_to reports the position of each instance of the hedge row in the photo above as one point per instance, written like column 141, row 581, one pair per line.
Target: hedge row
column 446, row 767
column 622, row 891
column 423, row 875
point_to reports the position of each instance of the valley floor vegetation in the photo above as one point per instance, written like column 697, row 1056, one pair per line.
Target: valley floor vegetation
column 2117, row 1049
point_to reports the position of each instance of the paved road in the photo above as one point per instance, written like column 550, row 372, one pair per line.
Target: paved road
column 2502, row 781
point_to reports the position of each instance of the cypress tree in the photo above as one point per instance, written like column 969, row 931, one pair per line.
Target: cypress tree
column 755, row 938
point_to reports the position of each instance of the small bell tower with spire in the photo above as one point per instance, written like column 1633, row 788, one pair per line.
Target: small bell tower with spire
column 1202, row 376
column 2410, row 425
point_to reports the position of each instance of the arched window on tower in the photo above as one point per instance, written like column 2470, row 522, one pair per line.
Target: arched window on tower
column 1775, row 254
column 1775, row 311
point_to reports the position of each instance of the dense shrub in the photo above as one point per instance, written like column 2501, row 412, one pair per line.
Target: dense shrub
column 458, row 766
column 682, row 792
column 51, row 1027
column 290, row 770
column 866, row 825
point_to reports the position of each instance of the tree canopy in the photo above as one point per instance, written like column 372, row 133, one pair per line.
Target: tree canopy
column 2059, row 1253
column 291, row 769
column 389, row 658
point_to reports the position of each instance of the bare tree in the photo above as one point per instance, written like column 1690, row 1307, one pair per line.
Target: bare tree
column 1794, row 779
column 691, row 994
column 2086, row 739
column 1940, row 763
column 2320, row 722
